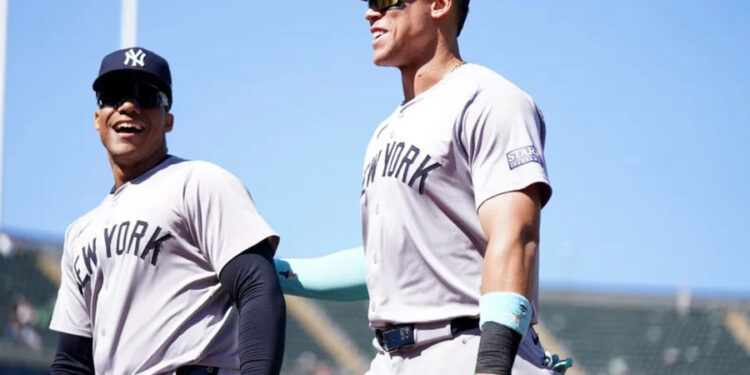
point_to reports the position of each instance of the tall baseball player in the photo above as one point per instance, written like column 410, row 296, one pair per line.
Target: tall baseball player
column 151, row 275
column 453, row 184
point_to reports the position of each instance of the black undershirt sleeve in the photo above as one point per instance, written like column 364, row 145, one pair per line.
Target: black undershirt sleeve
column 250, row 278
column 74, row 356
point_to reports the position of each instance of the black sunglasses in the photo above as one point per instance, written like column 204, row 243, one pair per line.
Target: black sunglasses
column 142, row 94
column 385, row 5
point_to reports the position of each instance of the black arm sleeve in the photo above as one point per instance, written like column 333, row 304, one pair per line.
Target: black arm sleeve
column 497, row 349
column 73, row 356
column 250, row 278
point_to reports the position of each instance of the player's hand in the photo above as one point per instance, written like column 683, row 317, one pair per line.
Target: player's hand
column 554, row 363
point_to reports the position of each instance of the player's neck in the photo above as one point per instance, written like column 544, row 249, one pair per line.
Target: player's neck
column 124, row 171
column 420, row 76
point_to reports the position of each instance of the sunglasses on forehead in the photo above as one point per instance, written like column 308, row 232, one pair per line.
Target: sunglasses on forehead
column 141, row 94
column 384, row 5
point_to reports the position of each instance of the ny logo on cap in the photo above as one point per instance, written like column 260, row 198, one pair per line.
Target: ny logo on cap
column 135, row 57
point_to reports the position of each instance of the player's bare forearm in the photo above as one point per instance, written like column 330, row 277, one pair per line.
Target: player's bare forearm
column 511, row 223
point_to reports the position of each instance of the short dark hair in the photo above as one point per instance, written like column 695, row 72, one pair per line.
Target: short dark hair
column 462, row 9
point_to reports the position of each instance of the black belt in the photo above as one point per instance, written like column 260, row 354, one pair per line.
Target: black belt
column 402, row 336
column 197, row 370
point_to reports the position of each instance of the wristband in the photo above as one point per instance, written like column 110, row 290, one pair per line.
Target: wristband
column 507, row 308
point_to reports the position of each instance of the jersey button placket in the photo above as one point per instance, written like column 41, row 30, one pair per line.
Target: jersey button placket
column 107, row 214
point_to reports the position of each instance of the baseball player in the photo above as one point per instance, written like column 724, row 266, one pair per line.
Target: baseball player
column 453, row 184
column 151, row 275
column 452, row 188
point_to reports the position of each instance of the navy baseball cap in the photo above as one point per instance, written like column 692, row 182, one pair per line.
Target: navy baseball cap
column 135, row 63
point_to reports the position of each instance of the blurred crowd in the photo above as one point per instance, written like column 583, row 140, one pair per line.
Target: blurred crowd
column 25, row 322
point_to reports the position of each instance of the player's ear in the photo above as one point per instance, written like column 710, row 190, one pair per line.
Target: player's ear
column 168, row 122
column 96, row 120
column 441, row 8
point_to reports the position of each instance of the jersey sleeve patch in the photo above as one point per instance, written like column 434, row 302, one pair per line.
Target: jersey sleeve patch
column 523, row 155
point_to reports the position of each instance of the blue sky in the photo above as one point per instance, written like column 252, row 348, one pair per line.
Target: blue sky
column 646, row 105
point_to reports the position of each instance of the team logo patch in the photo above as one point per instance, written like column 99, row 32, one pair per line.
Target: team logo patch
column 523, row 155
column 523, row 309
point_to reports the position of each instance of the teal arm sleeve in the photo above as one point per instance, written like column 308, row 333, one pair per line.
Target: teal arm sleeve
column 337, row 277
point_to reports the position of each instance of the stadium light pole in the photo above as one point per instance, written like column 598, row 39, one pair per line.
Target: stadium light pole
column 128, row 35
column 3, row 37
column 128, row 23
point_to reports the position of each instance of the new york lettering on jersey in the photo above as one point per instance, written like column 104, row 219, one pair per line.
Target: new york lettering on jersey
column 136, row 238
column 403, row 161
column 401, row 149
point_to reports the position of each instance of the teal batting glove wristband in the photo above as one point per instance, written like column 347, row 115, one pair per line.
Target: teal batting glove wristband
column 338, row 276
column 553, row 362
column 507, row 308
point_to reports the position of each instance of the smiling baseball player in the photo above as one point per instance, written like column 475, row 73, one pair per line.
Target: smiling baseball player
column 150, row 276
column 452, row 188
column 453, row 184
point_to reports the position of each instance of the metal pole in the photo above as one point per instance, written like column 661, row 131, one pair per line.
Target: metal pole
column 128, row 23
column 3, row 37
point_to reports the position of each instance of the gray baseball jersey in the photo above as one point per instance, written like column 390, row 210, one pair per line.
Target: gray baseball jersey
column 428, row 168
column 140, row 271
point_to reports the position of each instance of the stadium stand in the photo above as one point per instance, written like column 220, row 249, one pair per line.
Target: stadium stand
column 644, row 335
column 319, row 350
column 606, row 333
column 27, row 296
